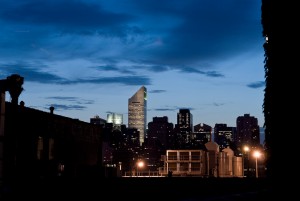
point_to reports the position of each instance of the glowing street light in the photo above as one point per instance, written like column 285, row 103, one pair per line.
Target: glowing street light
column 247, row 149
column 256, row 154
column 140, row 164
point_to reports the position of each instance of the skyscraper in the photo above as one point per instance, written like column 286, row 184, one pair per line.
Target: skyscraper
column 184, row 129
column 137, row 112
column 224, row 135
column 247, row 131
column 115, row 119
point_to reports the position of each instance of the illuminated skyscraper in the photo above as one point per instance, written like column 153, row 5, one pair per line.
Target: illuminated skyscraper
column 115, row 119
column 137, row 112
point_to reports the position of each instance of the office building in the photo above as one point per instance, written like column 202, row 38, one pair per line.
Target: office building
column 201, row 135
column 183, row 129
column 115, row 119
column 247, row 131
column 137, row 112
column 224, row 135
column 160, row 132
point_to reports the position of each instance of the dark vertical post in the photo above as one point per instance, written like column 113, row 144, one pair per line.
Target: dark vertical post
column 2, row 117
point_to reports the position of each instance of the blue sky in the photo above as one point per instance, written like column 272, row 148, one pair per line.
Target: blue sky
column 87, row 57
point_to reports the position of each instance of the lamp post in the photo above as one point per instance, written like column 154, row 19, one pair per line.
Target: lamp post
column 247, row 149
column 256, row 154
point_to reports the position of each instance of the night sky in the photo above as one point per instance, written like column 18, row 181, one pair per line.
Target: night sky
column 87, row 57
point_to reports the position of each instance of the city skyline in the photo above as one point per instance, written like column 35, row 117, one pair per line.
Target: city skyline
column 87, row 58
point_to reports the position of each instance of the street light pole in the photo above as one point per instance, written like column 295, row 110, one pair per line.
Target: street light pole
column 256, row 171
column 247, row 149
column 256, row 155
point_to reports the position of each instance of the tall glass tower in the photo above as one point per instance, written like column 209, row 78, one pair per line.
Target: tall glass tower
column 137, row 112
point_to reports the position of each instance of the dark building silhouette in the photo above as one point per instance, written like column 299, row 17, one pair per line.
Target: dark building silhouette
column 201, row 135
column 12, row 84
column 247, row 131
column 97, row 120
column 42, row 144
column 160, row 132
column 224, row 136
column 183, row 129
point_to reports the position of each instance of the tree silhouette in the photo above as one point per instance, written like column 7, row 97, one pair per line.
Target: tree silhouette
column 266, row 21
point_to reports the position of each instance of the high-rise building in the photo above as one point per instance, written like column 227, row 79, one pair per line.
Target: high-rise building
column 184, row 129
column 224, row 135
column 247, row 131
column 160, row 132
column 201, row 135
column 137, row 112
column 115, row 119
column 185, row 120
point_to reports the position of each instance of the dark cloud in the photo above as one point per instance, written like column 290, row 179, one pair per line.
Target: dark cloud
column 157, row 91
column 60, row 107
column 205, row 29
column 126, row 80
column 174, row 108
column 114, row 68
column 63, row 98
column 72, row 99
column 34, row 73
column 218, row 104
column 207, row 73
column 159, row 68
column 255, row 85
column 164, row 109
column 63, row 14
column 188, row 31
column 31, row 72
column 157, row 37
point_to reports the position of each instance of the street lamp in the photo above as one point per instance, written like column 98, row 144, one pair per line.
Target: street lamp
column 256, row 154
column 247, row 149
column 139, row 164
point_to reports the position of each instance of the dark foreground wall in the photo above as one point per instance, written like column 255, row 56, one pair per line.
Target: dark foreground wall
column 159, row 188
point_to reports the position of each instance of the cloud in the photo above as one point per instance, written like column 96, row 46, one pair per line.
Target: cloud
column 187, row 33
column 218, row 104
column 156, row 91
column 207, row 73
column 60, row 107
column 126, row 80
column 31, row 72
column 164, row 109
column 36, row 73
column 114, row 68
column 72, row 99
column 256, row 85
column 174, row 108
column 63, row 14
column 63, row 98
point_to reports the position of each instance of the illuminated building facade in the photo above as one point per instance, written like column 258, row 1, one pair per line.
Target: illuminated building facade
column 115, row 119
column 137, row 112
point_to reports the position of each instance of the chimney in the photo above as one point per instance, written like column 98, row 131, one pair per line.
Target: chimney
column 51, row 109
